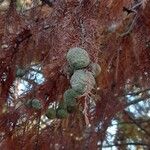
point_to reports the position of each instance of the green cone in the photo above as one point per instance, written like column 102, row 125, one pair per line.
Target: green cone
column 51, row 113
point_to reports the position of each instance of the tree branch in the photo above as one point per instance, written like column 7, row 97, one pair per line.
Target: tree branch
column 135, row 122
column 137, row 100
column 135, row 143
column 138, row 92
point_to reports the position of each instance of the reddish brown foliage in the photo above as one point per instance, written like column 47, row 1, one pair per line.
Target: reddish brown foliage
column 118, row 41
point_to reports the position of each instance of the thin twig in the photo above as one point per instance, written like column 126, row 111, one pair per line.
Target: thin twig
column 130, row 27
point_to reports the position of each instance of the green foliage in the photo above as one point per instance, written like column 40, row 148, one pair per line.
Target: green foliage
column 35, row 103
column 95, row 69
column 71, row 107
column 70, row 99
column 20, row 72
column 82, row 80
column 70, row 94
column 51, row 113
column 62, row 105
column 62, row 113
column 70, row 102
column 20, row 4
column 78, row 58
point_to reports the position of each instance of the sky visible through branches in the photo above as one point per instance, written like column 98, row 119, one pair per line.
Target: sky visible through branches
column 23, row 86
